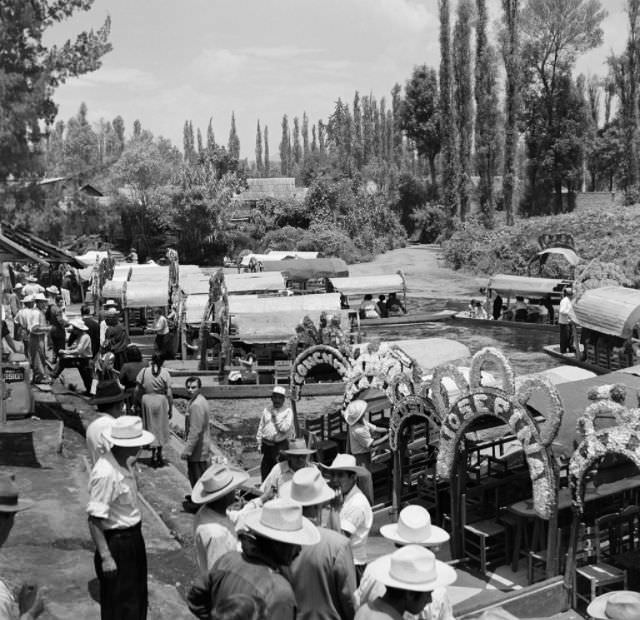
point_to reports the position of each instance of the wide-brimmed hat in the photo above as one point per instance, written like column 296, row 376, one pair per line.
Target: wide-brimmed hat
column 344, row 462
column 109, row 302
column 39, row 297
column 298, row 447
column 412, row 568
column 127, row 432
column 31, row 278
column 53, row 289
column 79, row 324
column 111, row 311
column 27, row 299
column 307, row 487
column 354, row 411
column 618, row 605
column 414, row 528
column 9, row 496
column 278, row 389
column 217, row 481
column 108, row 391
column 282, row 520
column 17, row 286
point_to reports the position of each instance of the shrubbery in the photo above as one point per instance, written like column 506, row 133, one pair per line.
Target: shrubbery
column 609, row 235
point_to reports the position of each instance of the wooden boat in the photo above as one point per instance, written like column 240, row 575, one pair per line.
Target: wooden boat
column 463, row 319
column 608, row 319
column 262, row 390
column 407, row 319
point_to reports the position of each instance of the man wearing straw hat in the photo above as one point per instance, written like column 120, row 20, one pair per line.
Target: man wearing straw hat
column 409, row 575
column 296, row 457
column 29, row 604
column 355, row 514
column 77, row 356
column 213, row 532
column 276, row 533
column 617, row 605
column 108, row 400
column 274, row 430
column 327, row 565
column 361, row 432
column 413, row 527
column 115, row 523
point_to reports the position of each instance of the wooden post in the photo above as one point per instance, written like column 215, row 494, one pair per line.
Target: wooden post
column 397, row 484
column 455, row 490
column 570, row 568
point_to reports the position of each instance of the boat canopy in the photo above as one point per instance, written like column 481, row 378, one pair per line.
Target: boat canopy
column 115, row 289
column 612, row 310
column 157, row 274
column 527, row 287
column 276, row 255
column 432, row 352
column 146, row 293
column 361, row 285
column 194, row 307
column 279, row 327
column 260, row 282
column 302, row 269
column 570, row 255
column 252, row 304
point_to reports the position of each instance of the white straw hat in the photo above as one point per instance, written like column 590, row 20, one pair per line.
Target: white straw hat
column 618, row 605
column 412, row 568
column 354, row 411
column 282, row 520
column 307, row 487
column 109, row 302
column 344, row 462
column 217, row 481
column 79, row 324
column 127, row 431
column 414, row 527
column 278, row 389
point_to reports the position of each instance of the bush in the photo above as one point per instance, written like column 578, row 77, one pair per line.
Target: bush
column 431, row 221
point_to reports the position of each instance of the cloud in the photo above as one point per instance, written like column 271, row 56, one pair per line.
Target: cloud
column 117, row 76
column 407, row 14
column 279, row 52
column 219, row 64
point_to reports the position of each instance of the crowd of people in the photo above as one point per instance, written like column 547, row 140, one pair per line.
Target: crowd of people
column 383, row 308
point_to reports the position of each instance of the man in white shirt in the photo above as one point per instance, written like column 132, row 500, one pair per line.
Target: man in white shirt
column 355, row 514
column 115, row 523
column 213, row 531
column 274, row 430
column 297, row 456
column 566, row 319
column 109, row 401
column 78, row 355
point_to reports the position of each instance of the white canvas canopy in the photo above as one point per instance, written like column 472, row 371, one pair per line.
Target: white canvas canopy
column 115, row 289
column 613, row 310
column 260, row 282
column 361, row 285
column 432, row 352
column 251, row 304
column 158, row 274
column 279, row 327
column 150, row 293
column 527, row 287
column 194, row 307
column 277, row 255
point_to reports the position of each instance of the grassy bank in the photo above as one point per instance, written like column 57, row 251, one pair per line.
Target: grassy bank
column 610, row 234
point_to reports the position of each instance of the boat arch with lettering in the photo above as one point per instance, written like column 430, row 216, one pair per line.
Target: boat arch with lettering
column 317, row 355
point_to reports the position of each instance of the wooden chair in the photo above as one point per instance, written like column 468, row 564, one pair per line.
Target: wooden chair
column 281, row 371
column 336, row 429
column 593, row 575
column 326, row 448
column 537, row 561
column 483, row 541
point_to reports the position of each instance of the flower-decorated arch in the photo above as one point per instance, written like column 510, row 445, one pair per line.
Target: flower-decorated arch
column 320, row 354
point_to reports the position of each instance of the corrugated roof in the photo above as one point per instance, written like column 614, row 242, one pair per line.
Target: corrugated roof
column 304, row 269
column 264, row 281
column 251, row 304
column 522, row 285
column 612, row 310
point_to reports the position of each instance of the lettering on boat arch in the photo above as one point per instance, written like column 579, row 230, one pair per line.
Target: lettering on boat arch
column 407, row 407
column 623, row 440
column 320, row 354
column 494, row 402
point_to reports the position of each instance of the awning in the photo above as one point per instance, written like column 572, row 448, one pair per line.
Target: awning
column 375, row 285
column 115, row 289
column 432, row 352
column 569, row 255
column 194, row 307
column 251, row 304
column 47, row 252
column 527, row 287
column 612, row 310
column 143, row 293
column 279, row 327
column 277, row 255
column 305, row 269
column 10, row 251
column 260, row 282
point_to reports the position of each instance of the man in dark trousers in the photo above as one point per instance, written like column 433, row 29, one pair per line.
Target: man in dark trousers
column 94, row 329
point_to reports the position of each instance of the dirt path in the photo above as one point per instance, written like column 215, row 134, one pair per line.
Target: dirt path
column 426, row 275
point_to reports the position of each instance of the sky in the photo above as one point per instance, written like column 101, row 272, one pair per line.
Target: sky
column 174, row 60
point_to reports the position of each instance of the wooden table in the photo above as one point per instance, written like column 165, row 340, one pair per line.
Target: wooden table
column 524, row 511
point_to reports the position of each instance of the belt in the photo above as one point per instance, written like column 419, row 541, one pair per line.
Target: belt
column 271, row 442
column 124, row 531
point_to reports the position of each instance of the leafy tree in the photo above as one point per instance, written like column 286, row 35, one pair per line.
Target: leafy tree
column 80, row 146
column 55, row 150
column 420, row 115
column 297, row 149
column 201, row 151
column 259, row 164
column 487, row 115
column 137, row 129
column 358, row 146
column 30, row 72
column 396, row 105
column 511, row 55
column 463, row 96
column 321, row 137
column 234, row 141
column 554, row 33
column 211, row 138
column 188, row 143
column 314, row 140
column 450, row 163
column 267, row 163
column 305, row 134
column 592, row 89
column 285, row 148
column 118, row 128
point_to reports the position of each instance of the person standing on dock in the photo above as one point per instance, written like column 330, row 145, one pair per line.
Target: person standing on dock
column 566, row 320
column 213, row 532
column 115, row 524
column 296, row 456
column 361, row 432
column 274, row 430
column 196, row 431
column 108, row 401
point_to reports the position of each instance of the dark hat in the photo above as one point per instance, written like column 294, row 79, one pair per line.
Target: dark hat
column 9, row 500
column 108, row 391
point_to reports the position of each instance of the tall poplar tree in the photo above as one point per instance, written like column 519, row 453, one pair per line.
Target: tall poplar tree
column 450, row 165
column 259, row 164
column 305, row 135
column 511, row 54
column 137, row 129
column 314, row 139
column 463, row 99
column 396, row 104
column 234, row 141
column 322, row 147
column 297, row 149
column 267, row 163
column 285, row 148
column 200, row 143
column 188, row 142
column 211, row 138
column 358, row 147
column 487, row 116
